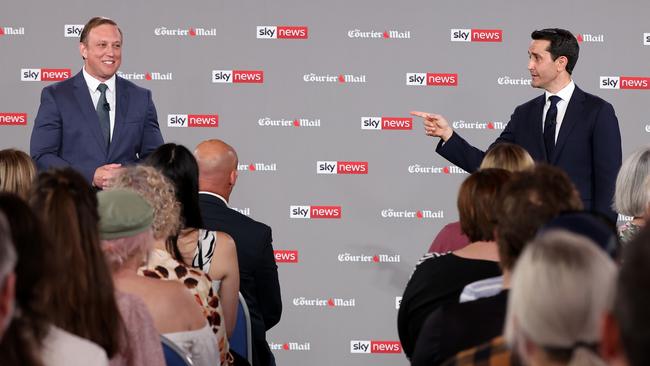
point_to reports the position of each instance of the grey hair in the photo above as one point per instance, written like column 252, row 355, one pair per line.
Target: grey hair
column 561, row 286
column 630, row 197
column 8, row 255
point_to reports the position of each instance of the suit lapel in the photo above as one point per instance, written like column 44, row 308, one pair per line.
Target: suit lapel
column 537, row 113
column 121, row 107
column 571, row 117
column 88, row 112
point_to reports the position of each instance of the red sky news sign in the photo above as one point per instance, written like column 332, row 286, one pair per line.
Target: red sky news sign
column 44, row 74
column 192, row 120
column 286, row 256
column 282, row 32
column 13, row 119
column 238, row 76
column 386, row 123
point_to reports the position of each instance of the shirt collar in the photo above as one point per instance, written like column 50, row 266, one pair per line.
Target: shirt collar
column 94, row 83
column 215, row 195
column 565, row 93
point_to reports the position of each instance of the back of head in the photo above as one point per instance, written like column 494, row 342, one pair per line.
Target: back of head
column 510, row 157
column 217, row 161
column 82, row 297
column 178, row 164
column 563, row 43
column 476, row 199
column 561, row 286
column 17, row 172
column 7, row 252
column 592, row 225
column 631, row 197
column 633, row 300
column 528, row 201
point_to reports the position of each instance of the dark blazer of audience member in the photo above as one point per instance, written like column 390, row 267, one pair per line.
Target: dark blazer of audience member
column 439, row 279
column 625, row 337
column 7, row 278
column 81, row 294
column 525, row 203
column 632, row 197
column 17, row 172
column 259, row 282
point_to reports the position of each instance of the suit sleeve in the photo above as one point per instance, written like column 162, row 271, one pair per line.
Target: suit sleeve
column 151, row 136
column 606, row 160
column 46, row 139
column 268, row 284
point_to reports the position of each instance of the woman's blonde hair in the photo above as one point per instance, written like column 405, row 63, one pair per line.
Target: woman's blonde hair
column 17, row 172
column 507, row 156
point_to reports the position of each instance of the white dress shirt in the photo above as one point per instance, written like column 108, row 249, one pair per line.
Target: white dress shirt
column 95, row 94
column 565, row 95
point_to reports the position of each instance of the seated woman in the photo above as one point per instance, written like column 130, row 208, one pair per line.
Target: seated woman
column 212, row 251
column 31, row 338
column 17, row 172
column 505, row 155
column 439, row 278
column 630, row 196
column 127, row 238
column 82, row 299
column 561, row 287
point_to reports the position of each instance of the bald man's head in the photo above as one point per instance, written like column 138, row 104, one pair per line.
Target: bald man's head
column 217, row 167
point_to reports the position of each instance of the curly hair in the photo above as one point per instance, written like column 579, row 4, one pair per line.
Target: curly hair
column 158, row 191
column 17, row 172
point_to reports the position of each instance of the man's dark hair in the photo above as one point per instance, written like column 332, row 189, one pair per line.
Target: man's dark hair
column 527, row 202
column 94, row 23
column 633, row 300
column 563, row 43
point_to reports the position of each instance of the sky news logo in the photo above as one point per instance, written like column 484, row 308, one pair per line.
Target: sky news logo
column 646, row 39
column 476, row 35
column 387, row 34
column 298, row 122
column 192, row 120
column 375, row 347
column 647, row 128
column 185, row 32
column 286, row 256
column 398, row 302
column 13, row 119
column 376, row 258
column 341, row 167
column 282, row 32
column 148, row 76
column 290, row 346
column 589, row 38
column 423, row 169
column 491, row 125
column 257, row 167
column 341, row 78
column 73, row 30
column 315, row 212
column 386, row 123
column 44, row 74
column 625, row 82
column 12, row 31
column 431, row 79
column 332, row 302
column 238, row 76
column 407, row 214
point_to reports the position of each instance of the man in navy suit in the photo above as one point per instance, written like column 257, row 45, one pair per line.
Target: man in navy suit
column 258, row 272
column 565, row 127
column 95, row 121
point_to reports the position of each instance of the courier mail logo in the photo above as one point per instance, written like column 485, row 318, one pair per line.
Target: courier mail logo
column 430, row 169
column 73, row 30
column 13, row 119
column 386, row 123
column 185, row 32
column 376, row 258
column 12, row 31
column 44, row 74
column 148, row 76
column 387, row 34
column 476, row 35
column 290, row 346
column 624, row 82
column 192, row 120
column 341, row 167
column 391, row 213
column 257, row 167
column 490, row 125
column 431, row 79
column 315, row 212
column 375, row 347
column 340, row 78
column 285, row 256
column 586, row 37
column 282, row 32
column 332, row 302
column 238, row 76
column 288, row 122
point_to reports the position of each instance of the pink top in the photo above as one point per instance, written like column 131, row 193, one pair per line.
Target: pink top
column 450, row 238
column 143, row 345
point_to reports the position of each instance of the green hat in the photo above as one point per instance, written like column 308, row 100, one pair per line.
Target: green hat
column 122, row 213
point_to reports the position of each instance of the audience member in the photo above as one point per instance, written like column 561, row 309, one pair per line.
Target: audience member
column 439, row 278
column 625, row 336
column 561, row 286
column 510, row 157
column 127, row 238
column 525, row 203
column 631, row 197
column 31, row 339
column 17, row 172
column 7, row 276
column 258, row 271
column 82, row 299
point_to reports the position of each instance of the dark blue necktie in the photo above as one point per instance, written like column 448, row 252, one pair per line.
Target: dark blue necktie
column 103, row 109
column 549, row 126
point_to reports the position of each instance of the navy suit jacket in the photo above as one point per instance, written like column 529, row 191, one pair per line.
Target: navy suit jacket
column 67, row 131
column 258, row 272
column 588, row 146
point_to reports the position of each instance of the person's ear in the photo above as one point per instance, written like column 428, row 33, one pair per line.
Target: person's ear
column 561, row 63
column 83, row 50
column 233, row 177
